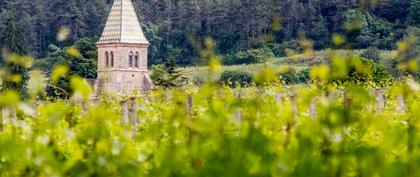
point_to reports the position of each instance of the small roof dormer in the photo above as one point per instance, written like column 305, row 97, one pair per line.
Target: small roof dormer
column 122, row 25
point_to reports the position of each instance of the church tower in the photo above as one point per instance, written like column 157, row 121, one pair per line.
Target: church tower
column 122, row 53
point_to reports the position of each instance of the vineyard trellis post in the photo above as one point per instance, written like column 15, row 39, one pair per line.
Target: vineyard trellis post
column 331, row 95
column 96, row 101
column 293, row 104
column 14, row 114
column 238, row 112
column 401, row 103
column 189, row 105
column 312, row 107
column 380, row 100
column 133, row 114
column 278, row 98
column 124, row 112
column 345, row 97
column 4, row 117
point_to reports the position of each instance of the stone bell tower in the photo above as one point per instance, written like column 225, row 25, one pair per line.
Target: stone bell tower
column 122, row 53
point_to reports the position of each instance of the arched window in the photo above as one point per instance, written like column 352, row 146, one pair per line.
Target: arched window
column 106, row 59
column 112, row 59
column 130, row 60
column 136, row 60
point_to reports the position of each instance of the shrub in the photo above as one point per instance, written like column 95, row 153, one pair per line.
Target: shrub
column 293, row 77
column 391, row 66
column 277, row 49
column 166, row 75
column 372, row 53
column 416, row 76
column 374, row 74
column 248, row 57
column 236, row 78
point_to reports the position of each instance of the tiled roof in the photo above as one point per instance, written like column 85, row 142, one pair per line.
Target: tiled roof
column 123, row 25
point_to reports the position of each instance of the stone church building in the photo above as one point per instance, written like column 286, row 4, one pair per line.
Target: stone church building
column 122, row 53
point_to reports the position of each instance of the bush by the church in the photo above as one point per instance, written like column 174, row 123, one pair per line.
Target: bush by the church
column 236, row 78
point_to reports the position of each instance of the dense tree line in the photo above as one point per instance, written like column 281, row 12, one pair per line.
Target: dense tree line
column 174, row 26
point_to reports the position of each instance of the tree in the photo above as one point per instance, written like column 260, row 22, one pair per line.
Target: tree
column 12, row 40
column 66, row 13
column 14, row 43
column 151, row 31
column 236, row 25
column 320, row 33
column 83, row 65
column 415, row 12
column 166, row 75
column 392, row 10
column 366, row 30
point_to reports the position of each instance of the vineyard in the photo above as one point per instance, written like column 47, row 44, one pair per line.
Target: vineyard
column 351, row 119
column 229, row 88
column 216, row 131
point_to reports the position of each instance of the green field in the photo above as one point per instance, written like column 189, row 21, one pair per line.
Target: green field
column 299, row 62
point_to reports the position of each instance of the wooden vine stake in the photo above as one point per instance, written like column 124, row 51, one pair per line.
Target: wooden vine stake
column 238, row 112
column 278, row 98
column 380, row 100
column 133, row 114
column 401, row 103
column 3, row 120
column 344, row 96
column 190, row 105
column 124, row 112
column 13, row 114
column 331, row 95
column 293, row 103
column 312, row 108
column 96, row 101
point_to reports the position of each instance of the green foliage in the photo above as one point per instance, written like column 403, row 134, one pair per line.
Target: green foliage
column 166, row 75
column 408, row 55
column 372, row 54
column 414, row 14
column 236, row 78
column 290, row 47
column 366, row 30
column 249, row 57
column 320, row 34
column 262, row 133
column 83, row 65
column 392, row 10
column 292, row 77
column 269, row 131
column 412, row 40
column 360, row 71
column 236, row 27
column 12, row 41
column 152, row 33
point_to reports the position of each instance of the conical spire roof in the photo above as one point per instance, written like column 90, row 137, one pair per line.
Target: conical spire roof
column 122, row 25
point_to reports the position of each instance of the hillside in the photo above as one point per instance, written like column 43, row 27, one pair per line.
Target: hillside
column 176, row 28
column 298, row 62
